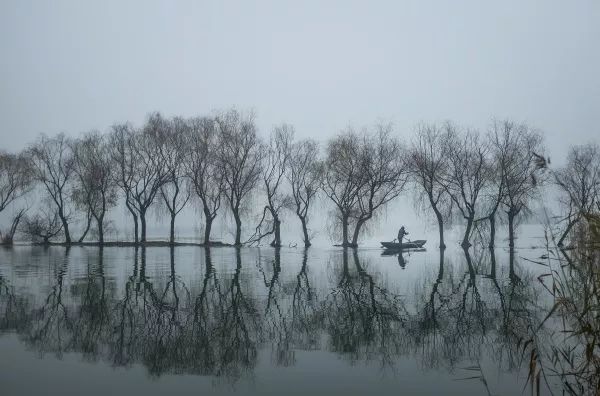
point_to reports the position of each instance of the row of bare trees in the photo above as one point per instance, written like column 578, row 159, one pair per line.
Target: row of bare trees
column 221, row 162
column 456, row 173
column 465, row 173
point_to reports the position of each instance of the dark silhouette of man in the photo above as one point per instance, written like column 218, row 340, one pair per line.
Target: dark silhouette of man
column 401, row 233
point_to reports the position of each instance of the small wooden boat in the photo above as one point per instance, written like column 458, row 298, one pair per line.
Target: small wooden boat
column 404, row 245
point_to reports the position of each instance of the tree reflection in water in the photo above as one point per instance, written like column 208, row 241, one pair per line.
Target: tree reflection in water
column 50, row 327
column 463, row 314
column 470, row 316
column 364, row 320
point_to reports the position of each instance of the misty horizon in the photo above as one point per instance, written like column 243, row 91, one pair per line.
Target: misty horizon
column 73, row 68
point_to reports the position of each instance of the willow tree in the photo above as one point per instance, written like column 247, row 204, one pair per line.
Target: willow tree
column 174, row 191
column 139, row 155
column 151, row 171
column 305, row 176
column 343, row 177
column 467, row 175
column 240, row 162
column 203, row 168
column 579, row 185
column 276, row 160
column 523, row 145
column 495, row 189
column 428, row 161
column 53, row 166
column 122, row 141
column 384, row 174
column 95, row 177
column 15, row 178
column 15, row 182
column 43, row 225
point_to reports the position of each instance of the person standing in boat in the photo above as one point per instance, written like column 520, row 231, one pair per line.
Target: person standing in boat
column 401, row 233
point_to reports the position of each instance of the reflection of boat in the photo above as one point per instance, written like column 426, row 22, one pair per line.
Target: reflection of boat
column 404, row 245
column 394, row 252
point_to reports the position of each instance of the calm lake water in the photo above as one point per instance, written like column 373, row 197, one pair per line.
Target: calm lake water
column 223, row 321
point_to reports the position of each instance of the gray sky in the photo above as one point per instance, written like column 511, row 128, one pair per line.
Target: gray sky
column 73, row 66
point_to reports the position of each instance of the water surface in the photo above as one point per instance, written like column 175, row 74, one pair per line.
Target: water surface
column 260, row 321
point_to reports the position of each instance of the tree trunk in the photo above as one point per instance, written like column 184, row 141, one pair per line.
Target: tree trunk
column 492, row 220
column 207, row 228
column 172, row 233
column 142, row 267
column 440, row 221
column 305, row 232
column 143, row 221
column 238, row 228
column 345, row 270
column 356, row 233
column 345, row 230
column 465, row 242
column 87, row 229
column 512, row 275
column 492, row 263
column 8, row 239
column 100, row 223
column 136, row 231
column 135, row 222
column 277, row 230
column 441, row 269
column 470, row 267
column 511, row 229
column 567, row 230
column 65, row 226
column 238, row 261
column 277, row 262
column 207, row 262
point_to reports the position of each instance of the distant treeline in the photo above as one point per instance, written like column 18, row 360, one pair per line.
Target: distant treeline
column 222, row 162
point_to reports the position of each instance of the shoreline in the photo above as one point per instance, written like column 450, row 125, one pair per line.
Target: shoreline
column 122, row 244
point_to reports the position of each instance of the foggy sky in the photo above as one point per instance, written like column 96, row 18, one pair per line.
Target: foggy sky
column 74, row 66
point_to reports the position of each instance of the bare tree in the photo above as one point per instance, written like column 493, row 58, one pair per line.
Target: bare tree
column 579, row 184
column 80, row 200
column 429, row 159
column 151, row 173
column 494, row 191
column 52, row 161
column 202, row 168
column 122, row 141
column 240, row 160
column 343, row 177
column 276, row 162
column 15, row 178
column 175, row 192
column 43, row 226
column 95, row 178
column 467, row 175
column 140, row 156
column 15, row 181
column 384, row 174
column 522, row 160
column 7, row 237
column 305, row 176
